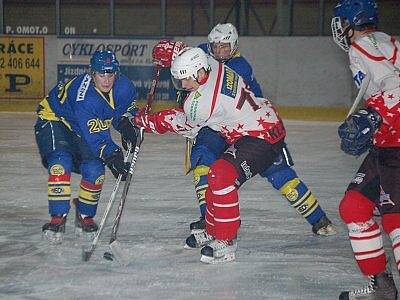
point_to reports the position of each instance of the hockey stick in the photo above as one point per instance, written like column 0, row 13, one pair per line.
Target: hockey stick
column 188, row 150
column 360, row 95
column 115, row 246
column 152, row 92
column 116, row 249
column 87, row 253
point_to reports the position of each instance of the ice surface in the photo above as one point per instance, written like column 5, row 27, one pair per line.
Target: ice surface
column 278, row 255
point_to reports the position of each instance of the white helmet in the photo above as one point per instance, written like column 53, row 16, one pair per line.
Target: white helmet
column 187, row 63
column 223, row 33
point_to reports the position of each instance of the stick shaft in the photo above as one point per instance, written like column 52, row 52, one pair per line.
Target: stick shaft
column 360, row 95
column 126, row 188
column 152, row 92
column 88, row 252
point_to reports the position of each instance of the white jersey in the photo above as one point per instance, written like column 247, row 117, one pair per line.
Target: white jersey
column 224, row 104
column 377, row 54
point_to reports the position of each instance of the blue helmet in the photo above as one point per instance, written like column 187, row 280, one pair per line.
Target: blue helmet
column 357, row 12
column 352, row 14
column 104, row 62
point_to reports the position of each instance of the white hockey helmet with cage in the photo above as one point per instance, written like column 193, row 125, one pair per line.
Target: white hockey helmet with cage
column 187, row 64
column 223, row 33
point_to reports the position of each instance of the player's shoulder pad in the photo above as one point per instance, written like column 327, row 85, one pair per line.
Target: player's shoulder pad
column 124, row 88
column 204, row 47
column 371, row 46
column 77, row 87
column 239, row 64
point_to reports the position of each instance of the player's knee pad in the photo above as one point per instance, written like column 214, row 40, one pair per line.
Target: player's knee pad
column 59, row 159
column 391, row 222
column 93, row 171
column 89, row 195
column 90, row 186
column 355, row 207
column 222, row 177
column 280, row 177
column 59, row 182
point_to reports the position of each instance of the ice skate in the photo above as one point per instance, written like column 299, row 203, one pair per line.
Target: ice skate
column 198, row 239
column 55, row 229
column 198, row 225
column 380, row 287
column 84, row 225
column 324, row 227
column 219, row 251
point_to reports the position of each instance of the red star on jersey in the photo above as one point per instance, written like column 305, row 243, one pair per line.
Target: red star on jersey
column 389, row 115
column 240, row 126
column 261, row 122
column 233, row 135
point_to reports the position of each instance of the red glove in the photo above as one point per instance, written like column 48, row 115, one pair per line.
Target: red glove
column 165, row 51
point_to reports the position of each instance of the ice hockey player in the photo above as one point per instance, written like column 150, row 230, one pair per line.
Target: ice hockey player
column 375, row 129
column 209, row 144
column 220, row 100
column 73, row 135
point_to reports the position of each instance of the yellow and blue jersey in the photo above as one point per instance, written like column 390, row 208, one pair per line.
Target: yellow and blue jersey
column 241, row 66
column 87, row 111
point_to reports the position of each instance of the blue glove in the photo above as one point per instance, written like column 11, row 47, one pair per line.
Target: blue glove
column 357, row 131
column 129, row 131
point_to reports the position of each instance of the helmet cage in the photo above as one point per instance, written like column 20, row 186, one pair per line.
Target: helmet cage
column 339, row 33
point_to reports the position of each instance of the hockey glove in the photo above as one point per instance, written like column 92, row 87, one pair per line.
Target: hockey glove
column 165, row 51
column 115, row 162
column 129, row 131
column 357, row 131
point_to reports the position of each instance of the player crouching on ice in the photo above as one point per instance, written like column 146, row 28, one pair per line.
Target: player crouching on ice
column 219, row 98
column 73, row 135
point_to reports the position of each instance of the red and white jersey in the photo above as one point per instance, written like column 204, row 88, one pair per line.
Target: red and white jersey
column 377, row 54
column 225, row 105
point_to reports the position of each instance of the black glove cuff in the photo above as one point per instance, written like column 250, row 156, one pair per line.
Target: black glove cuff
column 373, row 117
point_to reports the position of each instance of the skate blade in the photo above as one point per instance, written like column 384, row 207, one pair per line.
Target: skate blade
column 54, row 238
column 87, row 236
column 327, row 231
column 193, row 231
column 187, row 247
column 219, row 260
column 86, row 254
column 120, row 254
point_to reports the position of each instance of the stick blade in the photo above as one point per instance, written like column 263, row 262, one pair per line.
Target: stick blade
column 120, row 254
column 86, row 254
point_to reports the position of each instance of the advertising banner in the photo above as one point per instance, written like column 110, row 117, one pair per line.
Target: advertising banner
column 134, row 56
column 22, row 67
